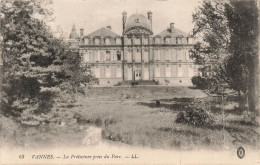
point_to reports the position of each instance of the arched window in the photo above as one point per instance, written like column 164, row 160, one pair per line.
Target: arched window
column 137, row 41
column 129, row 41
column 86, row 41
column 107, row 41
column 157, row 40
column 167, row 40
column 118, row 41
column 97, row 41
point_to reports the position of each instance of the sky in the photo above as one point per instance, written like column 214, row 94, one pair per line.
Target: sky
column 94, row 14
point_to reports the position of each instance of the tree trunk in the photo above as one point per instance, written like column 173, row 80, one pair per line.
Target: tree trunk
column 251, row 90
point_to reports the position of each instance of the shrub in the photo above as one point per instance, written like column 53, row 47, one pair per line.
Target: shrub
column 199, row 82
column 197, row 117
column 204, row 83
column 134, row 83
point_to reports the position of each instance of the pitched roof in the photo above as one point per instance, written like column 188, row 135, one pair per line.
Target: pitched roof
column 138, row 20
column 103, row 32
column 176, row 32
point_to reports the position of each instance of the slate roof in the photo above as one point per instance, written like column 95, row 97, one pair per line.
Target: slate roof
column 103, row 32
column 137, row 20
column 176, row 33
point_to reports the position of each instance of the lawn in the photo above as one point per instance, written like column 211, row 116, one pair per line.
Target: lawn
column 131, row 116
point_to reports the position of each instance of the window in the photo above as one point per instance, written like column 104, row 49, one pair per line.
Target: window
column 145, row 55
column 157, row 55
column 168, row 71
column 86, row 57
column 129, row 55
column 96, row 56
column 138, row 55
column 179, row 55
column 129, row 41
column 137, row 41
column 118, row 41
column 107, row 41
column 86, row 41
column 184, row 40
column 108, row 72
column 167, row 40
column 145, row 41
column 97, row 72
column 187, row 55
column 108, row 56
column 179, row 40
column 157, row 40
column 180, row 71
column 118, row 71
column 118, row 55
column 97, row 41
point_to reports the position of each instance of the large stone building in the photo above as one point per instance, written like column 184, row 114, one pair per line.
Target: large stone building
column 137, row 55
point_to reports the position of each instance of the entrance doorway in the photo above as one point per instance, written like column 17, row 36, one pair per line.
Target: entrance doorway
column 137, row 75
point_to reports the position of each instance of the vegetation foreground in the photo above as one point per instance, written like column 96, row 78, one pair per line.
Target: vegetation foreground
column 131, row 116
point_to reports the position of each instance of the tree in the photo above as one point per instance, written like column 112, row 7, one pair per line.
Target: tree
column 211, row 53
column 228, row 50
column 36, row 65
column 243, row 24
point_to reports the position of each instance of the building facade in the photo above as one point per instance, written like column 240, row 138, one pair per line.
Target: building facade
column 137, row 55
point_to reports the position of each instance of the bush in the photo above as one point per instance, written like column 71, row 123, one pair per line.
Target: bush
column 204, row 83
column 197, row 117
column 199, row 82
column 134, row 83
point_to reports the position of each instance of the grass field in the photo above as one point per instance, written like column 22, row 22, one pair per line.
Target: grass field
column 130, row 116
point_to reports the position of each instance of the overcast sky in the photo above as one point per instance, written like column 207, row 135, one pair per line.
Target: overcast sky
column 94, row 14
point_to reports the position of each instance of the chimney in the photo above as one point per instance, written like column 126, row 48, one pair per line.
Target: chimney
column 109, row 27
column 172, row 27
column 150, row 16
column 81, row 32
column 124, row 14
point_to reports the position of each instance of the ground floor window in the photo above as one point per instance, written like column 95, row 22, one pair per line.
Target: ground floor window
column 118, row 56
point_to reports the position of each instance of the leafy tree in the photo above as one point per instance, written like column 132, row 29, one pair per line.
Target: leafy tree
column 243, row 24
column 228, row 50
column 212, row 26
column 36, row 65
